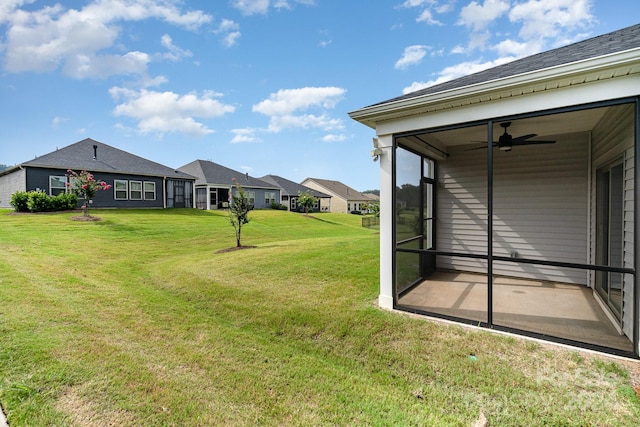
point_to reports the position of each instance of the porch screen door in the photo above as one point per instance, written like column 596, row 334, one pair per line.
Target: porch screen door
column 414, row 222
column 610, row 233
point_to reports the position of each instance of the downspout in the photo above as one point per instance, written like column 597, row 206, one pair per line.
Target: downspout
column 164, row 192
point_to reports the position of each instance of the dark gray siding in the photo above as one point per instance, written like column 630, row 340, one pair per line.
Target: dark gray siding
column 38, row 178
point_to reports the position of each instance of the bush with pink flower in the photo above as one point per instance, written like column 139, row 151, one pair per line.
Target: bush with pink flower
column 85, row 186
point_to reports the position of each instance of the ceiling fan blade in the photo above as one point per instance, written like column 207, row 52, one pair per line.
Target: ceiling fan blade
column 484, row 147
column 520, row 143
column 523, row 137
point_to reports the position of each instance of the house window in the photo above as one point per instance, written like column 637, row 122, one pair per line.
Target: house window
column 57, row 185
column 149, row 190
column 135, row 190
column 251, row 197
column 120, row 189
column 269, row 198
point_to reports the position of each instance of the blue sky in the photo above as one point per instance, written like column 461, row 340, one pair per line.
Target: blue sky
column 260, row 86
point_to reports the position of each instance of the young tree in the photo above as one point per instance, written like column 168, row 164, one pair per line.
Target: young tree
column 306, row 201
column 239, row 211
column 373, row 208
column 84, row 185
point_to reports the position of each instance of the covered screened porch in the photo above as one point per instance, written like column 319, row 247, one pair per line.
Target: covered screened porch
column 535, row 237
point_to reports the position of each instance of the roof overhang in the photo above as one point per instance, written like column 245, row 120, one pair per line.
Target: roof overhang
column 596, row 69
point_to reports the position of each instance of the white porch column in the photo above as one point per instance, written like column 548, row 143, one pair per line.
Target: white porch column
column 385, row 300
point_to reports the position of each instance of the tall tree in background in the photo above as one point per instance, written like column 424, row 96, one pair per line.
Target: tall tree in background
column 306, row 201
column 239, row 211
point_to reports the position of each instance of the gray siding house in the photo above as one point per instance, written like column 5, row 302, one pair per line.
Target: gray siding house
column 289, row 191
column 136, row 182
column 216, row 183
column 508, row 197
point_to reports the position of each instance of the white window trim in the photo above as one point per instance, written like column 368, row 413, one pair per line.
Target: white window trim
column 145, row 191
column 116, row 190
column 131, row 190
column 64, row 189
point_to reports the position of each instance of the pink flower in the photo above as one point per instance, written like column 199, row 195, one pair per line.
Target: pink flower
column 84, row 186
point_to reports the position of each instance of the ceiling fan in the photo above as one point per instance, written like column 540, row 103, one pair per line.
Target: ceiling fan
column 506, row 141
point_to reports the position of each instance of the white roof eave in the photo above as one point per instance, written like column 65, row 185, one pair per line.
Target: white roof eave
column 562, row 74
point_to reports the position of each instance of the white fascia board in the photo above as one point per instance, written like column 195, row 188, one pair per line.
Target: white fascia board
column 616, row 64
column 509, row 106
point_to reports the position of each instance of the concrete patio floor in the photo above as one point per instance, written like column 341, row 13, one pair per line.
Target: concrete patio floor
column 557, row 309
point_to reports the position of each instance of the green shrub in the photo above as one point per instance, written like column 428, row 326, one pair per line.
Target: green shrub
column 38, row 202
column 278, row 206
column 64, row 202
column 19, row 201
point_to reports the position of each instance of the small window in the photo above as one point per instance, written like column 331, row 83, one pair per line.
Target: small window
column 135, row 190
column 251, row 196
column 149, row 190
column 269, row 198
column 57, row 185
column 120, row 189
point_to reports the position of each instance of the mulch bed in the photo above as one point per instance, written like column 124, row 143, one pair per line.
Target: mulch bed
column 233, row 249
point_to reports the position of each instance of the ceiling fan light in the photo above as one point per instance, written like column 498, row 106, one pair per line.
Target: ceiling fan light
column 505, row 148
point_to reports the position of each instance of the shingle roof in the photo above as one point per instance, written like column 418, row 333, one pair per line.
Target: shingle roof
column 340, row 189
column 80, row 156
column 290, row 188
column 616, row 41
column 208, row 172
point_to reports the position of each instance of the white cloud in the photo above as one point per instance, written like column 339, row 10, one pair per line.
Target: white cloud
column 455, row 71
column 57, row 121
column 230, row 32
column 480, row 16
column 427, row 16
column 287, row 108
column 543, row 19
column 175, row 53
column 244, row 135
column 517, row 49
column 251, row 7
column 427, row 8
column 334, row 138
column 163, row 112
column 261, row 7
column 101, row 66
column 412, row 55
column 52, row 36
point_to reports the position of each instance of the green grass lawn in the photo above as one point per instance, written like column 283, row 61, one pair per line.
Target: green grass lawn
column 138, row 320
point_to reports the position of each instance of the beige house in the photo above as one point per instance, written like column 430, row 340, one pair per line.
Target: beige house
column 344, row 199
column 508, row 196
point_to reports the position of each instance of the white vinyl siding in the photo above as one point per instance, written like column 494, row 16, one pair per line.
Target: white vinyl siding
column 540, row 208
column 612, row 137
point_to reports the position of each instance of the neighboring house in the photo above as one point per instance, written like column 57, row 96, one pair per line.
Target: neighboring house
column 215, row 184
column 290, row 190
column 537, row 235
column 136, row 182
column 344, row 199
